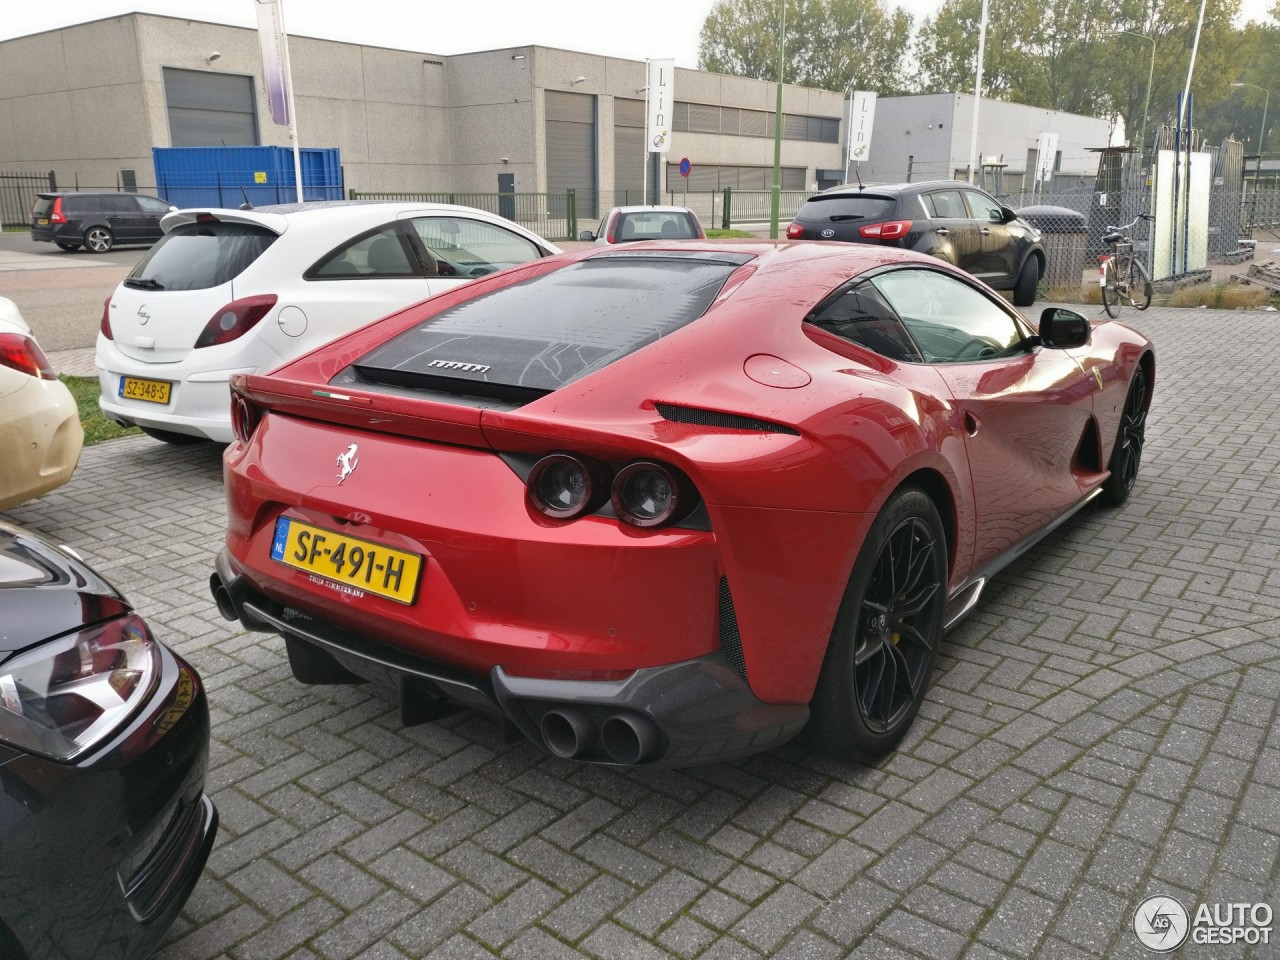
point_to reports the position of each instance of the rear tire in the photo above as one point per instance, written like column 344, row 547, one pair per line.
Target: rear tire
column 98, row 240
column 1110, row 295
column 881, row 652
column 67, row 246
column 1024, row 291
column 168, row 436
column 1126, row 454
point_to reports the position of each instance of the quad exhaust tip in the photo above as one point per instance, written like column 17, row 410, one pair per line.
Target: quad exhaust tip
column 567, row 732
column 626, row 738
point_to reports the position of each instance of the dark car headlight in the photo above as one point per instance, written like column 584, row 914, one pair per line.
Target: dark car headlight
column 65, row 696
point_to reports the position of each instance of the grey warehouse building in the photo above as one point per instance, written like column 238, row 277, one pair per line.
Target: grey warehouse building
column 403, row 121
column 533, row 119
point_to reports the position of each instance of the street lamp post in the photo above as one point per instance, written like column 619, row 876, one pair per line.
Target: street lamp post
column 1263, row 132
column 1151, row 71
column 775, row 194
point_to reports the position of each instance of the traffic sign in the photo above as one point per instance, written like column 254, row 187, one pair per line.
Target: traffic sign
column 685, row 166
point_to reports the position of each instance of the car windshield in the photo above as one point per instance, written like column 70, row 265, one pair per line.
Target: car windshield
column 197, row 256
column 42, row 207
column 845, row 207
column 530, row 338
column 656, row 225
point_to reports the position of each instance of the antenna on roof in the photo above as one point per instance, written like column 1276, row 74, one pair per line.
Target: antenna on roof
column 858, row 173
column 246, row 205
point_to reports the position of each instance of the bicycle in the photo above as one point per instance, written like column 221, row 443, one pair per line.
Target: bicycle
column 1121, row 275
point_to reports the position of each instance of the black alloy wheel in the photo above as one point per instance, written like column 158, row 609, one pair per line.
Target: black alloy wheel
column 886, row 633
column 1126, row 455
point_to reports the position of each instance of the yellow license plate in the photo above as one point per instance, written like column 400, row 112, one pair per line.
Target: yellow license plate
column 355, row 566
column 43, row 221
column 153, row 391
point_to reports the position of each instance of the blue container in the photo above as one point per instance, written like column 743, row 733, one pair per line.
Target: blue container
column 228, row 176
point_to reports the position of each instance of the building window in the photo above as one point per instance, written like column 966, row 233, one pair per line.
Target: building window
column 732, row 121
column 210, row 109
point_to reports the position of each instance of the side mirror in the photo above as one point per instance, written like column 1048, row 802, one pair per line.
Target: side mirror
column 1063, row 329
column 586, row 235
column 1008, row 215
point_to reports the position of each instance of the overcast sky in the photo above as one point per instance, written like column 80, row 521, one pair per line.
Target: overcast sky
column 654, row 28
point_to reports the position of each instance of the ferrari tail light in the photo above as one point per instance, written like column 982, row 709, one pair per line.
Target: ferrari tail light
column 245, row 417
column 235, row 320
column 795, row 231
column 56, row 215
column 648, row 494
column 105, row 327
column 565, row 487
column 24, row 354
column 888, row 230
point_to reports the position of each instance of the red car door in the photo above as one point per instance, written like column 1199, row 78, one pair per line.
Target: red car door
column 1024, row 408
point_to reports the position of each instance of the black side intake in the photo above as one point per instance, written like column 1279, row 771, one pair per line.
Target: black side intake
column 725, row 421
column 730, row 639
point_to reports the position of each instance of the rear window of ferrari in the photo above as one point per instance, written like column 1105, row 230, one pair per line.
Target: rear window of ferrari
column 523, row 341
column 834, row 209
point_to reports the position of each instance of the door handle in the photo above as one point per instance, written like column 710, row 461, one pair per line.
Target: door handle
column 970, row 424
column 986, row 231
column 943, row 232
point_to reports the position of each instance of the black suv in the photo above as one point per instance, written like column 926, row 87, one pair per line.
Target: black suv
column 98, row 221
column 947, row 219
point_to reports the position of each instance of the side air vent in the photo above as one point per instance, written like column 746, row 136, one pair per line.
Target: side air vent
column 726, row 421
column 730, row 640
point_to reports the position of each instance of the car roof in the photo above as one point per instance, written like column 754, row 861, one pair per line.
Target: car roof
column 652, row 208
column 872, row 189
column 351, row 214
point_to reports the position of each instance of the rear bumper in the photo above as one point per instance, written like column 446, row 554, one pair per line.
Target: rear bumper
column 690, row 712
column 41, row 442
column 199, row 403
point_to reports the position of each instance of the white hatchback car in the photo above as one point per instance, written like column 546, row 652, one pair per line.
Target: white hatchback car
column 41, row 440
column 243, row 291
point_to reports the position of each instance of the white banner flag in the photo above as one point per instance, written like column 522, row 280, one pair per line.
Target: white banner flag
column 662, row 77
column 1046, row 155
column 271, row 40
column 862, row 117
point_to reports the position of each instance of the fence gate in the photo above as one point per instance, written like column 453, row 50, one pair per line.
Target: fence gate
column 18, row 193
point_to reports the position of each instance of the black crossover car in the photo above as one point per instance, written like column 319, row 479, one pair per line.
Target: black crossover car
column 947, row 219
column 98, row 221
column 104, row 744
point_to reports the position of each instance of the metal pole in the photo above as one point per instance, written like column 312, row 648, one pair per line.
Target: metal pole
column 644, row 177
column 1195, row 46
column 977, row 96
column 293, row 111
column 775, row 198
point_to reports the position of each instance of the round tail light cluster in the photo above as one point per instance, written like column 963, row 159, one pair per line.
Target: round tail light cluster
column 644, row 493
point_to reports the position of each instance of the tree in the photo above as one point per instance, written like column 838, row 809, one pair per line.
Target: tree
column 1080, row 55
column 839, row 45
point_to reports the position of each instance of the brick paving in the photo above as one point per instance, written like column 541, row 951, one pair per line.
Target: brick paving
column 1102, row 729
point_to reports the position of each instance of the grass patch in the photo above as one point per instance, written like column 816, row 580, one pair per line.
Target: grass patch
column 14, row 228
column 1221, row 296
column 96, row 427
column 727, row 234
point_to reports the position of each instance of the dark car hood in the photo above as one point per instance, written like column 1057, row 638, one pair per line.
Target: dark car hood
column 45, row 593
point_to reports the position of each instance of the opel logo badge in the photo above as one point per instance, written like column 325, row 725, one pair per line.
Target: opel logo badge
column 828, row 233
column 143, row 316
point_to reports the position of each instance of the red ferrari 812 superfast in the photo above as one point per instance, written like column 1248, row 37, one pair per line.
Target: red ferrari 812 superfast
column 672, row 503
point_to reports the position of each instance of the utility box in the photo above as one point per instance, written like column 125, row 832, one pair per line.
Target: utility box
column 1065, row 234
column 231, row 176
